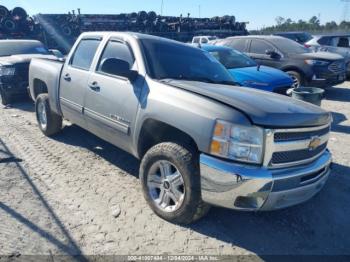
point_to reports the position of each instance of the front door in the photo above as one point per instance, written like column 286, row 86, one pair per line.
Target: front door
column 74, row 80
column 111, row 101
column 258, row 50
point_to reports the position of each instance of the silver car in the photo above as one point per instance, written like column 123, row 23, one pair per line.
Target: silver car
column 339, row 44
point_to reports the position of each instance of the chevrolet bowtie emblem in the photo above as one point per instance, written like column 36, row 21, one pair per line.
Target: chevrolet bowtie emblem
column 314, row 143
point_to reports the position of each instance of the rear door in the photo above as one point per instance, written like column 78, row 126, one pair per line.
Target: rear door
column 74, row 79
column 257, row 51
column 111, row 101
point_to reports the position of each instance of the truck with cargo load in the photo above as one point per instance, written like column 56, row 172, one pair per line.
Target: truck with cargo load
column 202, row 141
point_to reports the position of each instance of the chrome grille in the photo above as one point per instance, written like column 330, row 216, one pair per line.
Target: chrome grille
column 296, row 155
column 337, row 67
column 280, row 137
column 292, row 147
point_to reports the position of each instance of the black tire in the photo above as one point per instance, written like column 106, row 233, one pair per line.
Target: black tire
column 19, row 12
column 298, row 79
column 53, row 123
column 6, row 99
column 3, row 12
column 9, row 25
column 186, row 162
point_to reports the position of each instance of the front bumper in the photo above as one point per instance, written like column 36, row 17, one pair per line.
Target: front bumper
column 251, row 188
column 15, row 89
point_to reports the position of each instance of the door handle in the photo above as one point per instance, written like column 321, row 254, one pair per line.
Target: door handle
column 67, row 77
column 94, row 86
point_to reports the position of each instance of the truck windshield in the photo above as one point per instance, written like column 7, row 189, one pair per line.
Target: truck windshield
column 8, row 48
column 232, row 59
column 167, row 60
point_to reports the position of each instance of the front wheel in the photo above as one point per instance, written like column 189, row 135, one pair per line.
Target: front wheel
column 170, row 181
column 49, row 122
column 297, row 78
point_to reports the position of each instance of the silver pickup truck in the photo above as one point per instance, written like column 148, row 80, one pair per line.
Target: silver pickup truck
column 201, row 140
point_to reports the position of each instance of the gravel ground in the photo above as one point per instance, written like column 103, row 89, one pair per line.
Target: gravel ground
column 76, row 194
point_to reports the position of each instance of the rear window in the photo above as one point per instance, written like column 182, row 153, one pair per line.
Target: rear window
column 8, row 48
column 84, row 54
column 238, row 44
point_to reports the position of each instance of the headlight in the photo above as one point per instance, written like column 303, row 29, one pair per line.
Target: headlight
column 7, row 71
column 238, row 142
column 316, row 62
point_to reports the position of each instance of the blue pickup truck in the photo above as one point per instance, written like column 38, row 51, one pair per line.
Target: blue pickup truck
column 248, row 73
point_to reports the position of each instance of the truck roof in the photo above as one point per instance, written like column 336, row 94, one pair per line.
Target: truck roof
column 134, row 35
column 19, row 41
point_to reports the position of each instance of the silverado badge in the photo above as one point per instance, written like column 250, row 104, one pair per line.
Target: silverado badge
column 315, row 142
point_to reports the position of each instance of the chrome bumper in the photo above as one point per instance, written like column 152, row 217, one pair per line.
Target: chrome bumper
column 251, row 188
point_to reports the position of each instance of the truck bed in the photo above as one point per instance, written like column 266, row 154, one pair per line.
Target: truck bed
column 46, row 73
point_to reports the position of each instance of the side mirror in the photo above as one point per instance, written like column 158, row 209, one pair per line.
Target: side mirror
column 57, row 53
column 272, row 54
column 118, row 67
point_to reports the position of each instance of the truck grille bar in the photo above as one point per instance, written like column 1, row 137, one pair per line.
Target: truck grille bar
column 291, row 147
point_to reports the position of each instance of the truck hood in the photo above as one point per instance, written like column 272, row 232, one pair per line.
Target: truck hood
column 262, row 108
column 270, row 77
column 318, row 55
column 17, row 59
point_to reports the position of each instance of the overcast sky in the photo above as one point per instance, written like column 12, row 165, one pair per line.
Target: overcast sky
column 259, row 13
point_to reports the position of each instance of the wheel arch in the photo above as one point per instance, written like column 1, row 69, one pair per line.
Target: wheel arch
column 154, row 131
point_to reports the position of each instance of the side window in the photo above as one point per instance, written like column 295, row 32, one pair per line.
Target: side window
column 119, row 50
column 324, row 41
column 196, row 40
column 259, row 47
column 204, row 40
column 239, row 44
column 84, row 54
column 343, row 42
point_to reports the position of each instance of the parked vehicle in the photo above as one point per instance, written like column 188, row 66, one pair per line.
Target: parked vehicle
column 307, row 68
column 203, row 39
column 201, row 140
column 299, row 37
column 15, row 56
column 248, row 73
column 339, row 44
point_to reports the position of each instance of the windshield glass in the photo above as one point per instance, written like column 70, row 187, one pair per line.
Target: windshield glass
column 8, row 48
column 233, row 59
column 289, row 46
column 168, row 60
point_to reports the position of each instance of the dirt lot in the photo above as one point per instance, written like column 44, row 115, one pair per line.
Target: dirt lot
column 76, row 194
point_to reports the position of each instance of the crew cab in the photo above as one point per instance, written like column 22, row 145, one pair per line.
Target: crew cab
column 248, row 73
column 201, row 140
column 307, row 68
column 15, row 56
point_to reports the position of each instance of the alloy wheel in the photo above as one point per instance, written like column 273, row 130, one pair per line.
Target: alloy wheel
column 166, row 186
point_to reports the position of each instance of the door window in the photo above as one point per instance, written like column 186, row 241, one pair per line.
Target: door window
column 239, row 44
column 259, row 47
column 84, row 54
column 119, row 50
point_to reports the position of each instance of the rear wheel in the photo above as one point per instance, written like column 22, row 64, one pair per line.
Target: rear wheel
column 6, row 99
column 49, row 122
column 170, row 181
column 297, row 78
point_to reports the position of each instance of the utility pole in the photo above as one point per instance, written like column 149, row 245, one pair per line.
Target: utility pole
column 199, row 11
column 161, row 8
column 345, row 10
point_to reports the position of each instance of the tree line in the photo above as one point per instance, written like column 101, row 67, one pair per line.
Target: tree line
column 313, row 25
